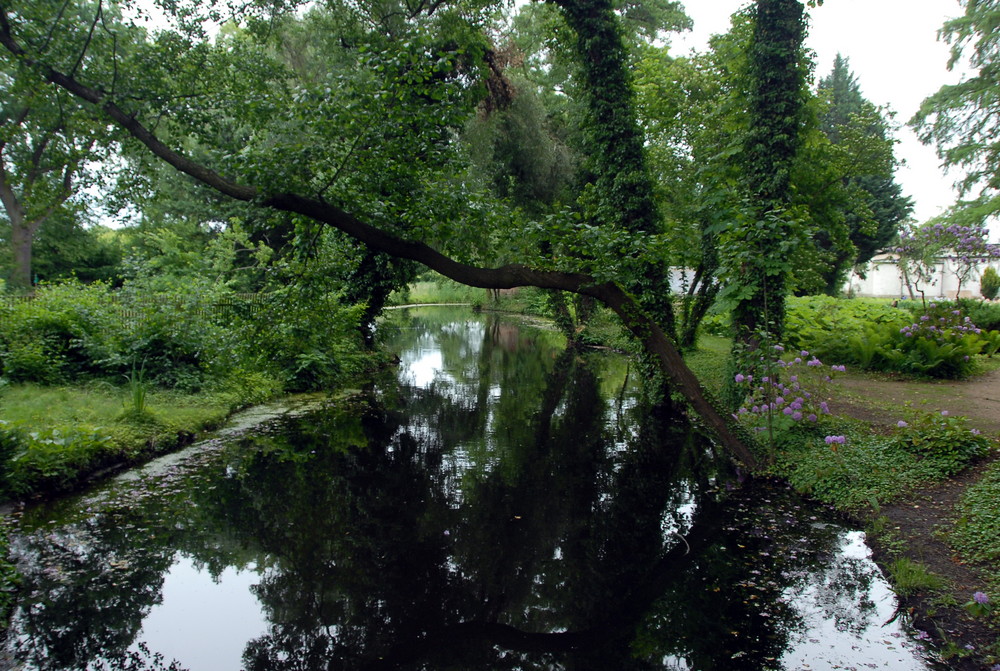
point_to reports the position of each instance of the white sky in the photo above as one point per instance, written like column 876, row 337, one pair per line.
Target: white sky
column 893, row 51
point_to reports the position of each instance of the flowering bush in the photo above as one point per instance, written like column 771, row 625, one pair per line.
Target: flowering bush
column 944, row 441
column 920, row 247
column 789, row 397
column 940, row 343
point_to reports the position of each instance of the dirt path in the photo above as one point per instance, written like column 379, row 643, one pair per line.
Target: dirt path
column 920, row 520
column 978, row 398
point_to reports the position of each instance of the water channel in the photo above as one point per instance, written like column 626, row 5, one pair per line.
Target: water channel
column 499, row 504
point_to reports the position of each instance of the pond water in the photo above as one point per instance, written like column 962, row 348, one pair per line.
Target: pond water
column 501, row 504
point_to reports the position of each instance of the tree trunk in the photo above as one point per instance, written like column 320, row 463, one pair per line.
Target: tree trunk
column 21, row 239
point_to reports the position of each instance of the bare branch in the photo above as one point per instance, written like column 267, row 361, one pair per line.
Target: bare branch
column 90, row 37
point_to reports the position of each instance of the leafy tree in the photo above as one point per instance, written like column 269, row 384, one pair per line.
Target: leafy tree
column 954, row 234
column 760, row 249
column 378, row 139
column 963, row 119
column 48, row 141
column 875, row 207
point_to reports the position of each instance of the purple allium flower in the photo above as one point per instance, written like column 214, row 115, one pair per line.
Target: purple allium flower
column 779, row 348
column 944, row 413
column 739, row 378
column 779, row 400
column 901, row 424
column 824, row 407
column 797, row 415
column 787, row 411
column 981, row 598
column 812, row 417
column 924, row 318
column 804, row 353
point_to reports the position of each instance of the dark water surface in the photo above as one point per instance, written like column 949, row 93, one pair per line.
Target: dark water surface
column 502, row 505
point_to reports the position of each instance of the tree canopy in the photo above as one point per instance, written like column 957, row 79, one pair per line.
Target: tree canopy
column 558, row 145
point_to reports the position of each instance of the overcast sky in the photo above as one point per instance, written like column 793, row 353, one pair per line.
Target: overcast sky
column 893, row 50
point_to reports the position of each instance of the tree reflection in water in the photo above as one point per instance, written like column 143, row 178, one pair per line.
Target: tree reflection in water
column 494, row 516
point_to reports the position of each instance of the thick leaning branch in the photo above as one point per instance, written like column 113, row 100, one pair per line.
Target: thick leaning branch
column 506, row 277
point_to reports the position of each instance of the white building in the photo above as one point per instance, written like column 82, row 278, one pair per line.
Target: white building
column 883, row 279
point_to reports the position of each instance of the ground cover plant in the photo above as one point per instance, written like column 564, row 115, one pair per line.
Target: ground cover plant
column 976, row 536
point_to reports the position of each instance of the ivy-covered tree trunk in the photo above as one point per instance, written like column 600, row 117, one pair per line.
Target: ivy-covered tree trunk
column 776, row 100
column 621, row 178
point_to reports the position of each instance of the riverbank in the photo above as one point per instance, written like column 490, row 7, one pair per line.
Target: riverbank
column 54, row 439
column 923, row 533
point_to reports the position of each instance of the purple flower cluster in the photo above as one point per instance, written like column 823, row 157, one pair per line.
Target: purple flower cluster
column 941, row 329
column 782, row 401
column 835, row 440
column 967, row 242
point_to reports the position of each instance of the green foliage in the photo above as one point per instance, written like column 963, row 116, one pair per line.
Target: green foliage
column 138, row 389
column 944, row 443
column 941, row 342
column 62, row 333
column 194, row 338
column 989, row 284
column 977, row 533
column 846, row 331
column 984, row 315
column 53, row 459
column 962, row 119
column 864, row 472
column 909, row 577
column 308, row 340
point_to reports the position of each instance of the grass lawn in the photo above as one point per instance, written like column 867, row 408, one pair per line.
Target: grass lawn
column 57, row 436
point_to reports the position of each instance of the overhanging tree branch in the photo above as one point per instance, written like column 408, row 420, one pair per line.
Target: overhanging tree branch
column 509, row 276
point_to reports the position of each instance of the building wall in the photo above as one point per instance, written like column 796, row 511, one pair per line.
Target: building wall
column 883, row 280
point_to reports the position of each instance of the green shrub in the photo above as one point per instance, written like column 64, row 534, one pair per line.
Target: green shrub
column 835, row 329
column 940, row 343
column 309, row 341
column 989, row 284
column 62, row 333
column 946, row 443
column 984, row 314
column 977, row 533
